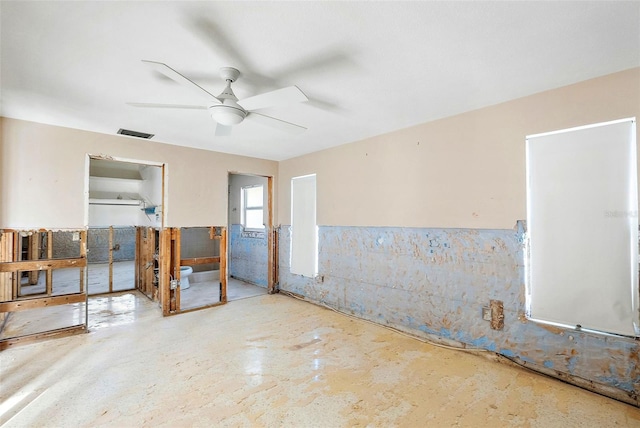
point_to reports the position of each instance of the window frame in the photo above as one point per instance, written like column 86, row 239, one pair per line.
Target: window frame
column 245, row 208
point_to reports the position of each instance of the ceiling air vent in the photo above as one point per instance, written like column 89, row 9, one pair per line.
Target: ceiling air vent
column 131, row 133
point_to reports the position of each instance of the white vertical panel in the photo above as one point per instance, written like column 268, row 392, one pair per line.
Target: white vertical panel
column 304, row 235
column 582, row 208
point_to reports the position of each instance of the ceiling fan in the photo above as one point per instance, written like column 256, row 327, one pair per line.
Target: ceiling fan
column 226, row 109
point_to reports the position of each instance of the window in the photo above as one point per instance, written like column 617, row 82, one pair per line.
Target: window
column 582, row 214
column 252, row 207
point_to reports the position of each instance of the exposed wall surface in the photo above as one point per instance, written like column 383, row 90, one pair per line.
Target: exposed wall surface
column 66, row 244
column 248, row 256
column 434, row 282
column 463, row 171
column 196, row 242
column 124, row 244
column 248, row 251
column 417, row 230
column 43, row 175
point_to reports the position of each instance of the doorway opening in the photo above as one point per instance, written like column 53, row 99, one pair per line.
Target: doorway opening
column 125, row 214
column 252, row 240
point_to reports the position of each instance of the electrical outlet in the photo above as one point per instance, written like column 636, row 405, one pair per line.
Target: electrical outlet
column 174, row 284
column 486, row 313
column 76, row 236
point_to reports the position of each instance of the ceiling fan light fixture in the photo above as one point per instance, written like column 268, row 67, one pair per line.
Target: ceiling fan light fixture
column 227, row 115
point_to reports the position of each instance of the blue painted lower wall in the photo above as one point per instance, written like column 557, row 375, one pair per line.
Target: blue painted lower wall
column 434, row 282
column 248, row 256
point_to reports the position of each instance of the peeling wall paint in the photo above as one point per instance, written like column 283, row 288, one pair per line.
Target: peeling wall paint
column 434, row 282
column 248, row 256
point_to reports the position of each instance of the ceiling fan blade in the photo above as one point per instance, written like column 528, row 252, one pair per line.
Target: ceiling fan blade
column 289, row 95
column 174, row 75
column 291, row 128
column 223, row 130
column 152, row 105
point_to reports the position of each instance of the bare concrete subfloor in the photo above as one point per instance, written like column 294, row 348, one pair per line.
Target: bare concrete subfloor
column 208, row 292
column 67, row 280
column 275, row 361
column 118, row 308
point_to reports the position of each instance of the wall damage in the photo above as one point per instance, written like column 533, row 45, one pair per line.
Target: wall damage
column 248, row 255
column 435, row 283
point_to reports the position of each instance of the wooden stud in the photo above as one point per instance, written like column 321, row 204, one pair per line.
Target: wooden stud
column 49, row 256
column 223, row 265
column 41, row 302
column 176, row 265
column 137, row 262
column 271, row 287
column 199, row 261
column 33, row 253
column 29, row 265
column 151, row 261
column 6, row 278
column 17, row 247
column 15, row 278
column 145, row 261
column 36, row 337
column 110, row 259
column 165, row 263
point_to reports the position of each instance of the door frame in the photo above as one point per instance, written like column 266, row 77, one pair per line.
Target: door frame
column 169, row 269
column 272, row 241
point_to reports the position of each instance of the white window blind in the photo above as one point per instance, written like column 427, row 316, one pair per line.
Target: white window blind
column 582, row 215
column 304, row 231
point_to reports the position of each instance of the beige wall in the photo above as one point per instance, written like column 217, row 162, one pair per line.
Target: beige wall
column 43, row 171
column 465, row 171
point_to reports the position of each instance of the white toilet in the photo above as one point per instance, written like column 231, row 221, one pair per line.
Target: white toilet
column 185, row 271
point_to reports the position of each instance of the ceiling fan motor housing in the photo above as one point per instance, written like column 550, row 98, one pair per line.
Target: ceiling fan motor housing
column 229, row 113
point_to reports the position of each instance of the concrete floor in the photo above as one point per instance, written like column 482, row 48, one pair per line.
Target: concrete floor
column 120, row 307
column 237, row 289
column 276, row 361
column 203, row 293
column 67, row 281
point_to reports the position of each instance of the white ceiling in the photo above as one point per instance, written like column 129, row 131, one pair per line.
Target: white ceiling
column 367, row 67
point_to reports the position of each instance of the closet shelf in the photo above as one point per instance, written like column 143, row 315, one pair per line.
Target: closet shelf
column 114, row 179
column 100, row 201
